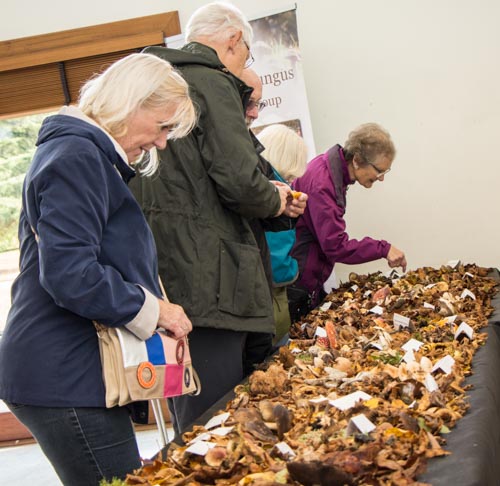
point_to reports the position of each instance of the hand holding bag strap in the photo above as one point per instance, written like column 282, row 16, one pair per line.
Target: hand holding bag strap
column 196, row 378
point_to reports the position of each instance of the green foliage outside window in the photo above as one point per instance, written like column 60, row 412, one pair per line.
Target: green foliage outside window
column 17, row 145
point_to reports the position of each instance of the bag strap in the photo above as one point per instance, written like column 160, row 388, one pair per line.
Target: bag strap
column 163, row 289
column 196, row 378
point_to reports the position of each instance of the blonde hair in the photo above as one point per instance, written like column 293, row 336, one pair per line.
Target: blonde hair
column 218, row 21
column 138, row 81
column 368, row 141
column 285, row 150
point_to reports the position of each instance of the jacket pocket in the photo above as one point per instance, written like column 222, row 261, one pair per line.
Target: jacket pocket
column 243, row 288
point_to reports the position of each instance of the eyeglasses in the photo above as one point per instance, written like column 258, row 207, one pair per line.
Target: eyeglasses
column 256, row 103
column 380, row 173
column 250, row 58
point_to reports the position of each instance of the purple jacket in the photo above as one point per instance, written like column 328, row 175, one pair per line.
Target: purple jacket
column 321, row 237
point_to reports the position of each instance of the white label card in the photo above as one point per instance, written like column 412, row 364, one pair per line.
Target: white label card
column 468, row 274
column 367, row 294
column 453, row 263
column 217, row 421
column 221, row 431
column 445, row 364
column 400, row 321
column 430, row 383
column 354, row 288
column 361, row 423
column 467, row 293
column 428, row 306
column 200, row 448
column 285, row 449
column 326, row 306
column 348, row 401
column 464, row 328
column 450, row 319
column 204, row 436
column 409, row 357
column 413, row 344
column 377, row 310
column 320, row 332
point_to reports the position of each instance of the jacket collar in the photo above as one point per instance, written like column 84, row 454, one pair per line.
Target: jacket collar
column 121, row 162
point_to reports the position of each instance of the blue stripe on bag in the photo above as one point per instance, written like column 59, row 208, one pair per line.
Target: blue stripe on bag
column 154, row 347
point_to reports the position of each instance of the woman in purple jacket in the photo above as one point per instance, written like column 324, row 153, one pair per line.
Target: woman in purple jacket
column 321, row 237
column 87, row 254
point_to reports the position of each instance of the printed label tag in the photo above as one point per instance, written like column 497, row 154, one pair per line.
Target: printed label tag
column 445, row 364
column 400, row 321
column 285, row 449
column 348, row 401
column 217, row 420
column 320, row 332
column 361, row 423
column 413, row 344
column 464, row 328
column 377, row 310
column 467, row 293
column 200, row 448
column 430, row 383
column 409, row 357
column 326, row 306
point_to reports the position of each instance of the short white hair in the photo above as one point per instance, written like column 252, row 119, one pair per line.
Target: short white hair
column 285, row 149
column 218, row 21
column 133, row 82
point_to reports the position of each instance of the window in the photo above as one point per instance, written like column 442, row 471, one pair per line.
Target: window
column 17, row 145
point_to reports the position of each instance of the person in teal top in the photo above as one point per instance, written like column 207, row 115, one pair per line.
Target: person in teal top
column 287, row 153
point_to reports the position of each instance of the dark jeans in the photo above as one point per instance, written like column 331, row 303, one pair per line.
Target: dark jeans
column 222, row 358
column 84, row 445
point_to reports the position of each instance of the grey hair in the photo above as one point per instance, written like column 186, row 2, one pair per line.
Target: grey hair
column 369, row 141
column 285, row 149
column 218, row 21
column 133, row 82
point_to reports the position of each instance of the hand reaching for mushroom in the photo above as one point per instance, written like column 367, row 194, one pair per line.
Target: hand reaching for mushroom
column 396, row 258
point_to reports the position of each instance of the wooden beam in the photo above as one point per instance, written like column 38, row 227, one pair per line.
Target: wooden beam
column 66, row 53
column 71, row 44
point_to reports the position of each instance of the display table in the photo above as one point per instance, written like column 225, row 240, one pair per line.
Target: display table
column 474, row 442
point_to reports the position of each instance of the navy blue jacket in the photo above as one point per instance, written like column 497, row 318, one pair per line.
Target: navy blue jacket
column 94, row 253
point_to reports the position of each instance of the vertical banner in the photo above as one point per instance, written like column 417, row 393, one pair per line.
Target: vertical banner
column 278, row 62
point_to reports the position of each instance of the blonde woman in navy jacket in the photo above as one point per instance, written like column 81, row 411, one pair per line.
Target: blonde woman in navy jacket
column 87, row 254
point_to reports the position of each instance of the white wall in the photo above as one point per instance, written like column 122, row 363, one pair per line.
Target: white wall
column 427, row 70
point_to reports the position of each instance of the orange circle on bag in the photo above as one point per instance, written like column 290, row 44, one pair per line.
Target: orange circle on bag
column 179, row 352
column 141, row 370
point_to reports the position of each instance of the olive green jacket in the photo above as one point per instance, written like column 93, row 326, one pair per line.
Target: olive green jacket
column 198, row 206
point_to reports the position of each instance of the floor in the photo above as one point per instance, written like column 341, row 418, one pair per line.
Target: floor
column 25, row 465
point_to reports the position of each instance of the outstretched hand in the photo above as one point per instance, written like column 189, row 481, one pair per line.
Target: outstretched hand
column 396, row 258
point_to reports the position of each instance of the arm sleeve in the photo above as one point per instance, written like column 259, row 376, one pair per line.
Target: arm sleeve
column 71, row 209
column 229, row 154
column 327, row 220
